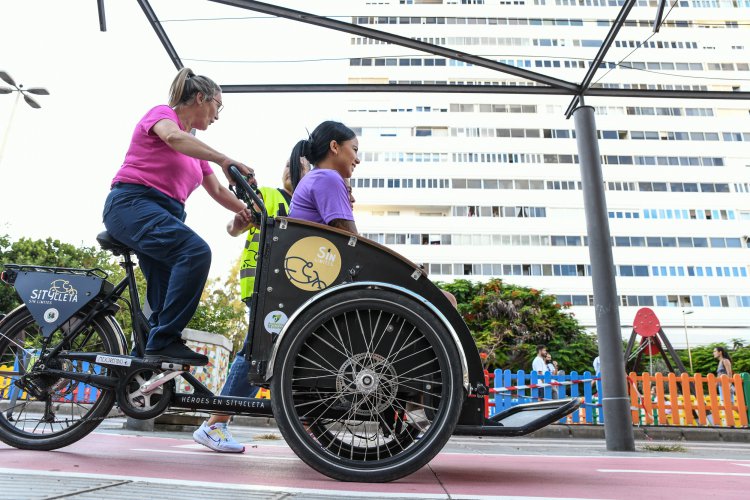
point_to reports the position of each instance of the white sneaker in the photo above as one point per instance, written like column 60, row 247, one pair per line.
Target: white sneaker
column 218, row 438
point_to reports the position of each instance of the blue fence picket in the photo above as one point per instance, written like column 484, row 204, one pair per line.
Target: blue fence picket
column 588, row 399
column 574, row 393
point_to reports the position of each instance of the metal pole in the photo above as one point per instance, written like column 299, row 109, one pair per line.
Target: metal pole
column 7, row 129
column 687, row 343
column 618, row 428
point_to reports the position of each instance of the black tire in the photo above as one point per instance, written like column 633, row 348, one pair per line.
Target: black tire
column 56, row 419
column 367, row 385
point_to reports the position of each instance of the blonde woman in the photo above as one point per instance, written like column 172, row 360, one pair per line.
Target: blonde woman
column 145, row 209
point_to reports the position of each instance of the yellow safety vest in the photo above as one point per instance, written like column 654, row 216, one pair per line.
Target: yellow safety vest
column 273, row 199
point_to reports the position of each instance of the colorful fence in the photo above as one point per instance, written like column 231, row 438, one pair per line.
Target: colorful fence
column 684, row 400
column 666, row 403
column 511, row 389
column 79, row 393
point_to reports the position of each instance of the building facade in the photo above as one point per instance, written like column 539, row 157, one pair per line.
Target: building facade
column 488, row 185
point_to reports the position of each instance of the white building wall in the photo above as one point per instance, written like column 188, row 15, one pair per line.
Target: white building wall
column 507, row 241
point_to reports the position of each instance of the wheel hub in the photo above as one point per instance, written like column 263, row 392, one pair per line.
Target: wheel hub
column 368, row 382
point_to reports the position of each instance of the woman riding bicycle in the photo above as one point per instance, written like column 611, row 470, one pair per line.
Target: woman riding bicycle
column 145, row 209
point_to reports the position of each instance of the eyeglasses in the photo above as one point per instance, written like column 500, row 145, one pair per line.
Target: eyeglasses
column 221, row 106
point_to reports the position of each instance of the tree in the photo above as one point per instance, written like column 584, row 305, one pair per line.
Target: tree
column 508, row 321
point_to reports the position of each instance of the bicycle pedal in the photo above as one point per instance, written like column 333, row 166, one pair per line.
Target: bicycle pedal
column 158, row 380
column 167, row 366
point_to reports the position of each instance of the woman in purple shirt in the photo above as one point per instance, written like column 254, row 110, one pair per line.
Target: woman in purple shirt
column 145, row 209
column 322, row 195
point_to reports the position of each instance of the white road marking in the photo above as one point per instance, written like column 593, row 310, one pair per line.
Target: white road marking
column 206, row 453
column 674, row 472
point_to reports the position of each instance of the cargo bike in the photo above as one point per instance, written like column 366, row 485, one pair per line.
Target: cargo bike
column 370, row 368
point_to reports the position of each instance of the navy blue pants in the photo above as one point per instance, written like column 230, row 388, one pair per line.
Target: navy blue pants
column 174, row 260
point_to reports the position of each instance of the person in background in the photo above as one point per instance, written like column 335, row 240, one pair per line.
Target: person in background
column 551, row 365
column 214, row 433
column 539, row 365
column 723, row 368
column 349, row 190
column 597, row 373
column 552, row 368
column 145, row 209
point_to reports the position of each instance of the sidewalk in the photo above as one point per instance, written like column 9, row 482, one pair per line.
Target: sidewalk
column 184, row 423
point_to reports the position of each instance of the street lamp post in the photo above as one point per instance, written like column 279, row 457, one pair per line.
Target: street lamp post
column 4, row 76
column 684, row 325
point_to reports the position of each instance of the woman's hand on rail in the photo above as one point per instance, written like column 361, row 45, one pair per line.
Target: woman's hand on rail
column 241, row 222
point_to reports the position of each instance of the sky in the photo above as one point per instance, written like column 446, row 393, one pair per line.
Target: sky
column 59, row 160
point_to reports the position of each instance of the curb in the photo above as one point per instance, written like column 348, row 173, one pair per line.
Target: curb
column 646, row 433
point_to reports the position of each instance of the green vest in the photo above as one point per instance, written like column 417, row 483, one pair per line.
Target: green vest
column 273, row 199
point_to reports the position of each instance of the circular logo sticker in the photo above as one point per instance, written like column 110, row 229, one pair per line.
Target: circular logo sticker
column 312, row 263
column 51, row 315
column 275, row 321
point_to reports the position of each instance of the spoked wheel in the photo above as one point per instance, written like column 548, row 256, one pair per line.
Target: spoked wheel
column 58, row 411
column 367, row 386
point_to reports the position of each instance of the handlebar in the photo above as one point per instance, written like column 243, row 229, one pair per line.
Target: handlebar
column 247, row 193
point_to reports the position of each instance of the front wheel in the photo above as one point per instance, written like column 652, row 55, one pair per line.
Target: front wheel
column 367, row 385
column 63, row 410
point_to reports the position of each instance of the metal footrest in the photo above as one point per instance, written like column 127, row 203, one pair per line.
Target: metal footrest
column 522, row 419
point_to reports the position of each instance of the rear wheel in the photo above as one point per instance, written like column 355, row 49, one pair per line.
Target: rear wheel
column 63, row 410
column 367, row 386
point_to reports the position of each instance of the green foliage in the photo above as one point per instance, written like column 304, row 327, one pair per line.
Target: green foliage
column 705, row 363
column 508, row 321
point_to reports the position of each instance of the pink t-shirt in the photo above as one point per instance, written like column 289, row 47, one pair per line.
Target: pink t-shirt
column 151, row 162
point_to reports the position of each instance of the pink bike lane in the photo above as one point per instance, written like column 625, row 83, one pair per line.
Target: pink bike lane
column 464, row 475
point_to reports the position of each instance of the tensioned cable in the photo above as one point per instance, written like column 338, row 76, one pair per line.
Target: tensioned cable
column 324, row 59
column 653, row 33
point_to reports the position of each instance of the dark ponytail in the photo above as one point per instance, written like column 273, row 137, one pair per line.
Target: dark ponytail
column 722, row 350
column 316, row 147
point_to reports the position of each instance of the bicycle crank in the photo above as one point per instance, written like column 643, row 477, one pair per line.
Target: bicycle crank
column 145, row 393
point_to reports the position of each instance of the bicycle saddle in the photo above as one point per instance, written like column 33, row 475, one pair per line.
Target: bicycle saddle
column 109, row 243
